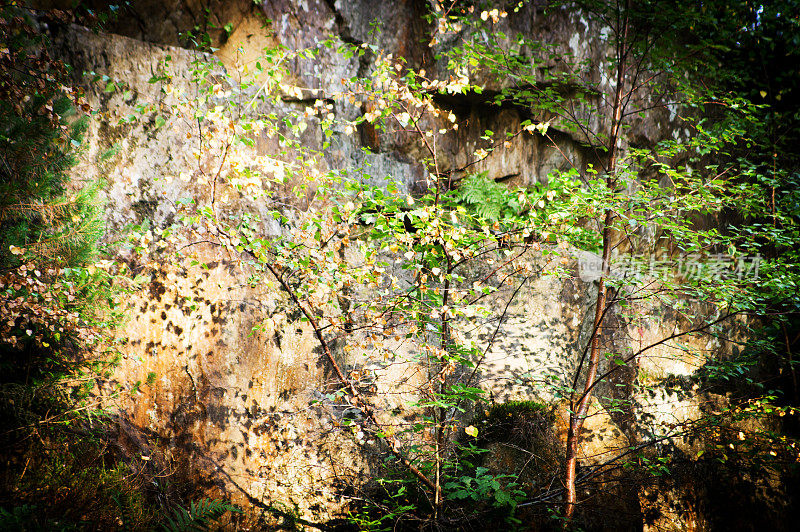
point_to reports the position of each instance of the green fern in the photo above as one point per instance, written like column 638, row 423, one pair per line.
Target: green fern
column 484, row 196
column 198, row 516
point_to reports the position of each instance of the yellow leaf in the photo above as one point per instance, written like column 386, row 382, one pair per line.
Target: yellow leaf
column 471, row 431
column 763, row 94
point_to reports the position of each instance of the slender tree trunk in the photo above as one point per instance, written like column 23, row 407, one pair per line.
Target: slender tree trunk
column 440, row 413
column 579, row 411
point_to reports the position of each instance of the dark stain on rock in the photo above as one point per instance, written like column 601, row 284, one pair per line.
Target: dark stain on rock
column 157, row 289
column 218, row 415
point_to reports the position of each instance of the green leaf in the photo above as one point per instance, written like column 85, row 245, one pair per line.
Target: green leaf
column 502, row 497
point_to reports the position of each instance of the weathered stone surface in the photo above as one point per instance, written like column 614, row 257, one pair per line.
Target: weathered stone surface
column 236, row 406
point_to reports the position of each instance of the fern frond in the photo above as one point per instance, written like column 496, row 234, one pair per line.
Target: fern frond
column 198, row 516
column 489, row 210
column 487, row 198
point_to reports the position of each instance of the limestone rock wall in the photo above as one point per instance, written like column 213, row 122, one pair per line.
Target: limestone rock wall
column 245, row 408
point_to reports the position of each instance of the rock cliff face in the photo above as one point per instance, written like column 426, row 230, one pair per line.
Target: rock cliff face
column 243, row 408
